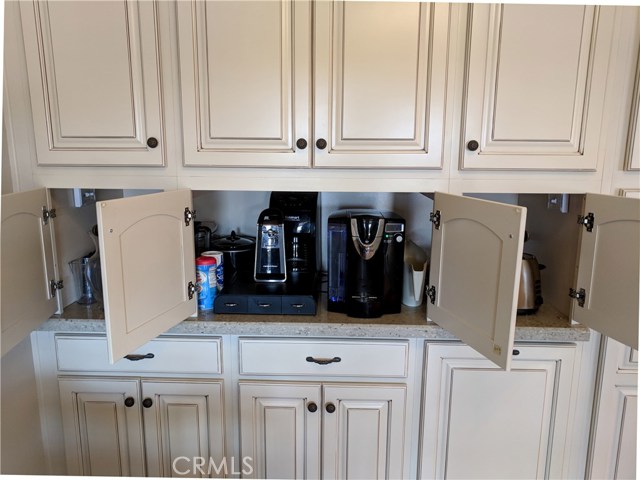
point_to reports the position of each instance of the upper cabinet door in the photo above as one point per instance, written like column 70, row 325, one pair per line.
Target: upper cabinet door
column 28, row 265
column 245, row 69
column 529, row 103
column 95, row 82
column 380, row 84
column 632, row 158
column 476, row 257
column 609, row 268
column 147, row 260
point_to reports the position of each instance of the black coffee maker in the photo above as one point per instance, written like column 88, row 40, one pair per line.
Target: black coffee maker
column 299, row 210
column 365, row 262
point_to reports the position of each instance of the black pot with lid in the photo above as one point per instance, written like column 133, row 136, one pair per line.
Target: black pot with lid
column 239, row 255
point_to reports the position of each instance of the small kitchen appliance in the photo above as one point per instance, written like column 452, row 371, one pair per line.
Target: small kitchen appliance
column 270, row 263
column 365, row 262
column 299, row 210
column 530, row 292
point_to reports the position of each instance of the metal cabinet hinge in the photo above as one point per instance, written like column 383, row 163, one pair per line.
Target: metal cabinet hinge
column 434, row 217
column 47, row 214
column 54, row 286
column 191, row 290
column 431, row 293
column 188, row 215
column 587, row 220
column 579, row 295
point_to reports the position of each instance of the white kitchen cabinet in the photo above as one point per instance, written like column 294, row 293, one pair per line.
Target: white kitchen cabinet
column 380, row 71
column 613, row 445
column 481, row 422
column 131, row 427
column 632, row 152
column 353, row 430
column 353, row 420
column 102, row 422
column 529, row 104
column 147, row 258
column 380, row 84
column 245, row 69
column 95, row 82
column 29, row 271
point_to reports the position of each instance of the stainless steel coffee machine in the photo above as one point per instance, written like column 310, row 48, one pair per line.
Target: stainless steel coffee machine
column 270, row 264
column 365, row 262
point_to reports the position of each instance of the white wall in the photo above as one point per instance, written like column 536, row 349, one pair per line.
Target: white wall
column 22, row 451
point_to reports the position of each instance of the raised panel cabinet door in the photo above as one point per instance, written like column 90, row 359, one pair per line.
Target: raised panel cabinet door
column 530, row 104
column 280, row 429
column 95, row 82
column 364, row 431
column 476, row 257
column 184, row 429
column 380, row 84
column 613, row 446
column 245, row 70
column 482, row 422
column 148, row 263
column 102, row 426
column 609, row 268
column 28, row 265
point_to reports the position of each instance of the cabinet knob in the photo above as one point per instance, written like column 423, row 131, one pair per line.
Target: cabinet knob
column 147, row 402
column 330, row 407
column 312, row 407
column 152, row 142
column 301, row 143
column 129, row 402
column 321, row 143
column 472, row 145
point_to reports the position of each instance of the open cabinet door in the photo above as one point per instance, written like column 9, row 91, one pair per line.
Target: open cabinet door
column 147, row 262
column 28, row 265
column 476, row 257
column 609, row 268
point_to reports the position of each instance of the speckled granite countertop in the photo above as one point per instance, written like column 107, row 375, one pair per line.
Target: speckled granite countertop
column 548, row 325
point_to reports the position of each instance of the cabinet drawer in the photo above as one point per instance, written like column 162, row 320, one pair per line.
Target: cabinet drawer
column 175, row 355
column 343, row 358
column 265, row 305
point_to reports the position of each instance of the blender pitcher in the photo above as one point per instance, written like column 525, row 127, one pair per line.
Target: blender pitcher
column 81, row 270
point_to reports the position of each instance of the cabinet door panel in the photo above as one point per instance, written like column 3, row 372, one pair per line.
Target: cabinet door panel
column 482, row 422
column 94, row 81
column 475, row 269
column 530, row 104
column 27, row 265
column 147, row 260
column 609, row 268
column 380, row 83
column 278, row 432
column 185, row 422
column 102, row 436
column 245, row 73
column 363, row 438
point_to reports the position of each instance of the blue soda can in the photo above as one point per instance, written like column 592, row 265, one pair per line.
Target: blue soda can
column 206, row 282
column 219, row 266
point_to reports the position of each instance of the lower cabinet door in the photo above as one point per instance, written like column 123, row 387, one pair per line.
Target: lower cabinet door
column 102, row 427
column 363, row 433
column 280, row 429
column 614, row 439
column 482, row 422
column 184, row 429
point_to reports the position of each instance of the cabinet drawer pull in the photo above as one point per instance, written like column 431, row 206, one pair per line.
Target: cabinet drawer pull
column 152, row 142
column 321, row 143
column 312, row 407
column 301, row 143
column 264, row 305
column 129, row 402
column 516, row 352
column 134, row 357
column 230, row 304
column 473, row 145
column 324, row 361
column 297, row 305
column 330, row 407
column 147, row 403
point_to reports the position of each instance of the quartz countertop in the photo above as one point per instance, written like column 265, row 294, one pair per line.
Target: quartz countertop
column 547, row 325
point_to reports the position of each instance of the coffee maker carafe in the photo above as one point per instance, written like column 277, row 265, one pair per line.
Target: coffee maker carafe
column 270, row 263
